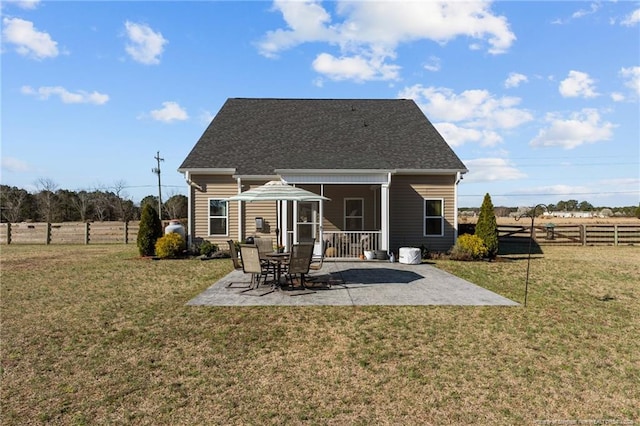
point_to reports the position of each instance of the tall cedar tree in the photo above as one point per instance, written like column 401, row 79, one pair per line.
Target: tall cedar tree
column 487, row 228
column 150, row 230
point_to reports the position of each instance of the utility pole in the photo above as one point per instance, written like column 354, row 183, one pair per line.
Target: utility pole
column 156, row 170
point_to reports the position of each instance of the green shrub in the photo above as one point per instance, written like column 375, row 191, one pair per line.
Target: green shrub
column 468, row 247
column 170, row 246
column 150, row 230
column 487, row 227
column 207, row 248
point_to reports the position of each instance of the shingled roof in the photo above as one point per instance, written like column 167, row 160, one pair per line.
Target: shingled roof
column 259, row 136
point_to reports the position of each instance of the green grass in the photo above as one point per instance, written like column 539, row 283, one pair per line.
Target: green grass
column 96, row 335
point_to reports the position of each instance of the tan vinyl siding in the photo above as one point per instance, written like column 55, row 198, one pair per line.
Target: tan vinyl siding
column 334, row 209
column 407, row 195
column 264, row 209
column 214, row 187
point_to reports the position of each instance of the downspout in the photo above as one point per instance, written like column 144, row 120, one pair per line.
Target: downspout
column 191, row 223
column 189, row 209
column 455, row 207
column 239, row 218
column 187, row 177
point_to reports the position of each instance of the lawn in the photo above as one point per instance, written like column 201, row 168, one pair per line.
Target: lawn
column 96, row 335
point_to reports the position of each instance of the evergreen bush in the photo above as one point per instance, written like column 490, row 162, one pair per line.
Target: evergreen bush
column 487, row 227
column 207, row 248
column 468, row 247
column 149, row 232
column 170, row 246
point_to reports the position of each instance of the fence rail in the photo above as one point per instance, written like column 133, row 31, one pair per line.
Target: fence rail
column 345, row 242
column 601, row 234
column 69, row 233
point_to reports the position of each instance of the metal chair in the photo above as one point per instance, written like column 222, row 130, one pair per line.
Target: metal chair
column 233, row 251
column 264, row 244
column 251, row 264
column 237, row 265
column 299, row 262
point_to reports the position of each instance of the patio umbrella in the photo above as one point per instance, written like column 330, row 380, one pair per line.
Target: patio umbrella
column 276, row 190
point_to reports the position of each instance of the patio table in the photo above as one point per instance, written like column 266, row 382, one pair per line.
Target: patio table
column 278, row 260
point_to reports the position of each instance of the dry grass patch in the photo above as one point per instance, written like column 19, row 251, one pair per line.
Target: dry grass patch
column 93, row 334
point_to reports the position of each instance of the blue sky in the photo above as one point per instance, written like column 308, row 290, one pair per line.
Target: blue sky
column 539, row 99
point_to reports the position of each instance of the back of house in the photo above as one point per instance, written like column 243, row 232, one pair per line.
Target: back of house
column 390, row 177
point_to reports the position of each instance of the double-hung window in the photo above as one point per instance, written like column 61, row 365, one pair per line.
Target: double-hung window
column 353, row 214
column 433, row 217
column 218, row 217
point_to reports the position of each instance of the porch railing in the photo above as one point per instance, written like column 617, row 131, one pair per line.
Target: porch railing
column 350, row 243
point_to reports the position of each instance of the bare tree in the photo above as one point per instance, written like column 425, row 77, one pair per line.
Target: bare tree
column 176, row 206
column 46, row 199
column 13, row 202
column 82, row 204
column 122, row 198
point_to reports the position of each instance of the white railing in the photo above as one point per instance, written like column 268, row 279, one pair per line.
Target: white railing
column 351, row 243
column 347, row 243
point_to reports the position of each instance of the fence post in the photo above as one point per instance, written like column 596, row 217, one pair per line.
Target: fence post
column 583, row 235
column 126, row 232
column 48, row 235
column 615, row 235
column 8, row 233
column 86, row 232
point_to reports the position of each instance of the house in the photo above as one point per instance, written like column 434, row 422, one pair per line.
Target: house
column 390, row 176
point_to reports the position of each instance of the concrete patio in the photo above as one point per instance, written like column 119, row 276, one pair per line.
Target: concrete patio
column 358, row 283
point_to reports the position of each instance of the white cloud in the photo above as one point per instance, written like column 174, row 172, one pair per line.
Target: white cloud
column 631, row 19
column 170, row 112
column 28, row 40
column 491, row 169
column 206, row 117
column 476, row 108
column 577, row 84
column 370, row 32
column 617, row 97
column 584, row 12
column 67, row 97
column 355, row 68
column 515, row 79
column 145, row 45
column 25, row 4
column 456, row 135
column 556, row 190
column 433, row 64
column 632, row 78
column 11, row 164
column 579, row 128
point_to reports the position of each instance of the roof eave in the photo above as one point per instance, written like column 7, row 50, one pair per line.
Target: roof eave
column 430, row 171
column 207, row 171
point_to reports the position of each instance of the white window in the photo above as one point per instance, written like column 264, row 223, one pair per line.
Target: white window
column 218, row 217
column 434, row 217
column 353, row 214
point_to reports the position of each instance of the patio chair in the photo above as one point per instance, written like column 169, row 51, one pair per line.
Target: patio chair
column 233, row 251
column 265, row 247
column 237, row 265
column 251, row 264
column 264, row 244
column 299, row 262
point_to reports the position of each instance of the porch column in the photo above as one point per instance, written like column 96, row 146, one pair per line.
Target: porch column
column 321, row 221
column 284, row 232
column 239, row 218
column 384, row 216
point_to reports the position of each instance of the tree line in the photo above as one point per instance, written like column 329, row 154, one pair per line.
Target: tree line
column 565, row 206
column 51, row 204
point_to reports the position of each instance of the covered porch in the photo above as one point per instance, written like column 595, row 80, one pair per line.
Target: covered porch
column 354, row 219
